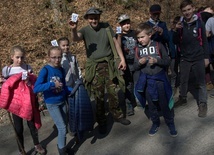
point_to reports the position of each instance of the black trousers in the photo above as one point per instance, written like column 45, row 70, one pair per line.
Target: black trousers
column 18, row 124
column 160, row 105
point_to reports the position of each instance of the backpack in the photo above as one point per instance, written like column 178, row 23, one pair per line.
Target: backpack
column 199, row 30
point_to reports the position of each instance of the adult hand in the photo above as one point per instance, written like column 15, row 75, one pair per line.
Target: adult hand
column 73, row 25
column 122, row 65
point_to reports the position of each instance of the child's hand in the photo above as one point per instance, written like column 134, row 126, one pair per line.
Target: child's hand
column 58, row 84
column 207, row 62
column 2, row 79
column 158, row 29
column 42, row 107
column 143, row 60
column 178, row 25
column 152, row 60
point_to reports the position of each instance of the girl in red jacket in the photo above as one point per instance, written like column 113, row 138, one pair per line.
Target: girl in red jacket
column 18, row 66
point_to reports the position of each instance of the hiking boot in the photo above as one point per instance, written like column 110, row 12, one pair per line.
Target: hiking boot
column 39, row 149
column 123, row 121
column 103, row 129
column 182, row 101
column 153, row 129
column 209, row 86
column 202, row 110
column 172, row 131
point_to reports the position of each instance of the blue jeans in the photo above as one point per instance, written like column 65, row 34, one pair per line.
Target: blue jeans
column 58, row 114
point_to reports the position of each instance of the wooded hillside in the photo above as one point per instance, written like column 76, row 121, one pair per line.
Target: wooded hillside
column 34, row 23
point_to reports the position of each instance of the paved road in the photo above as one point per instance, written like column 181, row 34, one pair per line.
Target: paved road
column 195, row 136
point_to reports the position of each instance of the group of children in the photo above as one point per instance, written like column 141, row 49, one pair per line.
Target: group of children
column 56, row 84
column 147, row 58
column 147, row 61
column 187, row 47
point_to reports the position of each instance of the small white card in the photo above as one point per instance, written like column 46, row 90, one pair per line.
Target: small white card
column 118, row 29
column 74, row 17
column 181, row 19
column 54, row 43
column 24, row 75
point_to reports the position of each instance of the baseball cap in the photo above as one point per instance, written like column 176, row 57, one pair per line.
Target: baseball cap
column 155, row 8
column 122, row 18
column 93, row 11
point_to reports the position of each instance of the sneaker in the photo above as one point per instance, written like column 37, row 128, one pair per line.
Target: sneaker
column 172, row 131
column 181, row 102
column 39, row 149
column 129, row 109
column 123, row 121
column 202, row 110
column 153, row 129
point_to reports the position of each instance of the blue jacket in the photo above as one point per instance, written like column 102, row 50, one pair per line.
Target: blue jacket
column 148, row 82
column 80, row 112
column 45, row 83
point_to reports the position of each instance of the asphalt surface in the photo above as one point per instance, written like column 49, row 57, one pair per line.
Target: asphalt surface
column 195, row 136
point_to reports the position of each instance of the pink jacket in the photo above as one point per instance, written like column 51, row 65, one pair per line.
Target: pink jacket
column 18, row 98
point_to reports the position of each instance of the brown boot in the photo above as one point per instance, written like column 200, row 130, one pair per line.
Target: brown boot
column 202, row 110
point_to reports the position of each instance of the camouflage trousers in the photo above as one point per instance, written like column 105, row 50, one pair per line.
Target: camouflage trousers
column 100, row 86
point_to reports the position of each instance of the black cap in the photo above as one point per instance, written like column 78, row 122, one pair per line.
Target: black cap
column 156, row 8
column 93, row 11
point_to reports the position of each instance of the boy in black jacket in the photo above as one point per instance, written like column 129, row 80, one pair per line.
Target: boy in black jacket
column 160, row 29
column 191, row 38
